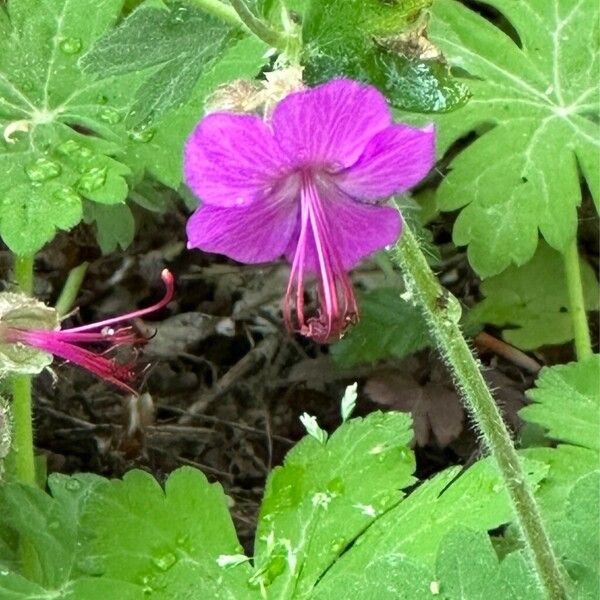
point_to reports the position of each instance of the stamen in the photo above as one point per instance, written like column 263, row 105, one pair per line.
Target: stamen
column 169, row 282
column 64, row 343
column 337, row 307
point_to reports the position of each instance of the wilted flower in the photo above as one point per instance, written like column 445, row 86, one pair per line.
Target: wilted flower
column 305, row 184
column 70, row 344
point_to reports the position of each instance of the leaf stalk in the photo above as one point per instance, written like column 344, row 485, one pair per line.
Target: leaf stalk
column 583, row 342
column 238, row 13
column 442, row 313
column 24, row 465
column 71, row 289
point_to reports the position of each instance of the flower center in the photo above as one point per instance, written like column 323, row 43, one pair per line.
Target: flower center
column 316, row 251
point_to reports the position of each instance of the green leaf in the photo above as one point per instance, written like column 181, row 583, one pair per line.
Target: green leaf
column 389, row 327
column 566, row 401
column 178, row 43
column 391, row 577
column 45, row 103
column 378, row 43
column 467, row 567
column 165, row 541
column 414, row 529
column 533, row 300
column 577, row 536
column 567, row 464
column 115, row 226
column 325, row 495
column 50, row 527
column 535, row 112
column 158, row 149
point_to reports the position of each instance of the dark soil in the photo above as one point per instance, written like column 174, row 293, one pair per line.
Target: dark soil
column 225, row 383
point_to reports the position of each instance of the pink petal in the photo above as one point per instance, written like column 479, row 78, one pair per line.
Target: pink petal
column 330, row 123
column 229, row 158
column 395, row 160
column 355, row 230
column 257, row 233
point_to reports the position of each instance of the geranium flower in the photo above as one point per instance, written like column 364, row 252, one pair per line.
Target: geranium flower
column 304, row 184
column 69, row 344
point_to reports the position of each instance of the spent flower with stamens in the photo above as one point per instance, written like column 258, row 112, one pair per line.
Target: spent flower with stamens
column 305, row 184
column 72, row 344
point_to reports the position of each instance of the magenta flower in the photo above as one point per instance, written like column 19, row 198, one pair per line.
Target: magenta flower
column 305, row 185
column 69, row 344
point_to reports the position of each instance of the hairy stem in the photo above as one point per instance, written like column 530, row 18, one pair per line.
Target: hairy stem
column 238, row 13
column 583, row 343
column 71, row 289
column 258, row 27
column 220, row 10
column 442, row 312
column 23, row 462
column 24, row 465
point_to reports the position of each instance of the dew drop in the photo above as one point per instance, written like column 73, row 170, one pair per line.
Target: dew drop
column 90, row 565
column 165, row 562
column 142, row 134
column 405, row 454
column 73, row 485
column 92, row 179
column 66, row 195
column 42, row 169
column 110, row 115
column 180, row 14
column 71, row 45
column 85, row 152
column 69, row 148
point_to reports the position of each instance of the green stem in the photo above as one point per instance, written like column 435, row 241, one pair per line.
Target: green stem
column 258, row 27
column 237, row 13
column 220, row 10
column 24, row 273
column 23, row 459
column 24, row 465
column 442, row 312
column 71, row 289
column 583, row 342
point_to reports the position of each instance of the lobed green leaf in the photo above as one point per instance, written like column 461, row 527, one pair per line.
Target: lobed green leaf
column 534, row 113
column 532, row 303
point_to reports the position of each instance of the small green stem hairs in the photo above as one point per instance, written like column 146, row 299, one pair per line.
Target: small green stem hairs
column 442, row 312
column 23, row 460
column 238, row 13
column 583, row 342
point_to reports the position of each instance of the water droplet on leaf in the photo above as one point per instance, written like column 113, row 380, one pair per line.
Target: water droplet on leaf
column 73, row 485
column 91, row 565
column 338, row 545
column 142, row 134
column 165, row 562
column 71, row 45
column 66, row 195
column 42, row 169
column 92, row 179
column 180, row 14
column 69, row 148
column 110, row 115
